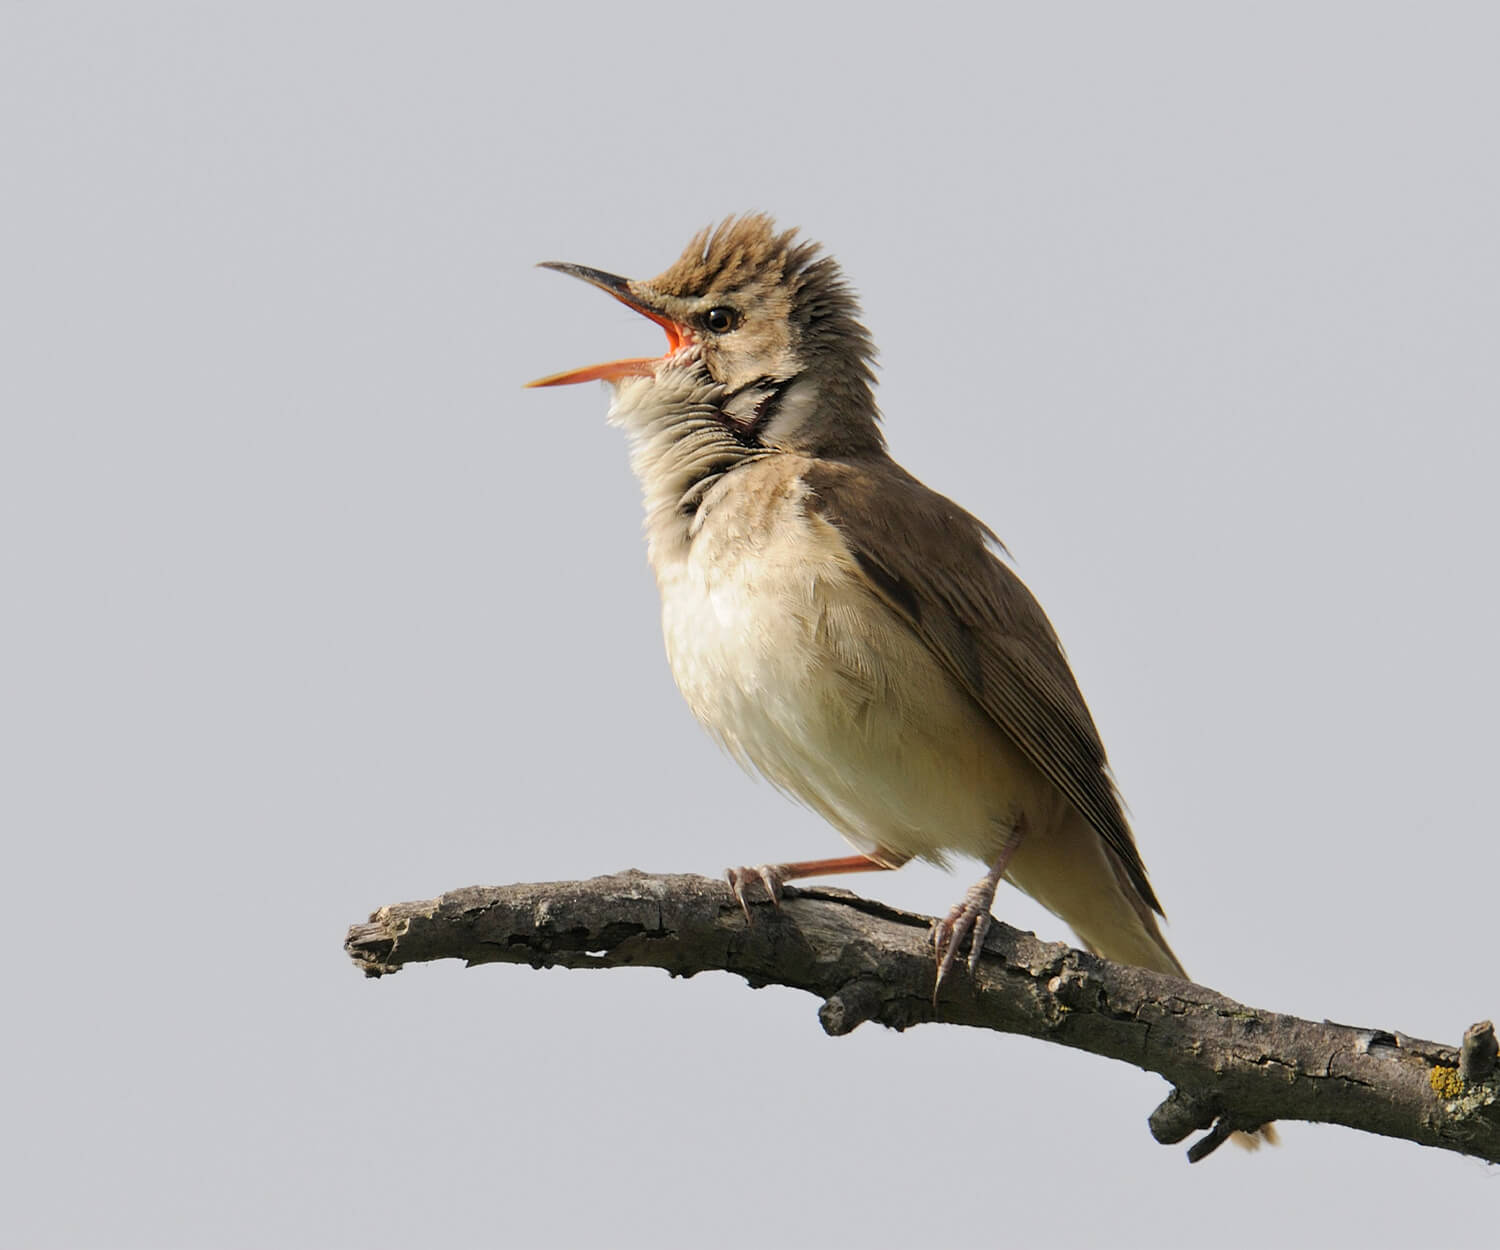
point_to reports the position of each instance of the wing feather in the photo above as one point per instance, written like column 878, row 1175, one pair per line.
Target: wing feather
column 940, row 575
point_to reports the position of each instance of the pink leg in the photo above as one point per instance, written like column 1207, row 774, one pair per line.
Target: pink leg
column 972, row 915
column 774, row 876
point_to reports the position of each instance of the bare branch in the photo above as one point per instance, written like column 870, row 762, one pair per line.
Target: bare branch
column 1232, row 1067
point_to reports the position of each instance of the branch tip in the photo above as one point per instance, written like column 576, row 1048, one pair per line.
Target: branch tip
column 1210, row 1141
column 1476, row 1058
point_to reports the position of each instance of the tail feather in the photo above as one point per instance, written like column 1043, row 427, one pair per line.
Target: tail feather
column 1265, row 1135
column 1075, row 876
column 1144, row 937
column 1079, row 879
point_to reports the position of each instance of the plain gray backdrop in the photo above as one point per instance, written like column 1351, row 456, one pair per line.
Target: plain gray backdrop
column 308, row 607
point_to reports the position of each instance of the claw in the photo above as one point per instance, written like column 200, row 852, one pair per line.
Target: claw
column 768, row 875
column 736, row 879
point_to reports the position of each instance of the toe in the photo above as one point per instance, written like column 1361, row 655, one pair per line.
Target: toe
column 738, row 878
column 976, row 943
column 947, row 937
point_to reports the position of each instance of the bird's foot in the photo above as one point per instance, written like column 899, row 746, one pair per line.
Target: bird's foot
column 774, row 876
column 969, row 919
column 771, row 876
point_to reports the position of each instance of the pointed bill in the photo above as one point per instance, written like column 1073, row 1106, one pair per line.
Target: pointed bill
column 678, row 336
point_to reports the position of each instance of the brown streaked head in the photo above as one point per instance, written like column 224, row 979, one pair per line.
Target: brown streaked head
column 766, row 311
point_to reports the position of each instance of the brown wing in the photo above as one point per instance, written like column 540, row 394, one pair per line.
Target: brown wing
column 930, row 561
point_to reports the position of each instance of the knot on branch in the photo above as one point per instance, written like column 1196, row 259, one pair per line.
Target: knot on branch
column 1182, row 1113
column 1186, row 1112
column 851, row 1006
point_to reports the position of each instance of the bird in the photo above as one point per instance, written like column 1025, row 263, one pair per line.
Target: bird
column 851, row 634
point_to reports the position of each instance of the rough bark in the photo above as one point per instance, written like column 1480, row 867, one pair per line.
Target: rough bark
column 1231, row 1066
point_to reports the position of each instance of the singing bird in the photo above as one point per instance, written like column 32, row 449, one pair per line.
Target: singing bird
column 838, row 626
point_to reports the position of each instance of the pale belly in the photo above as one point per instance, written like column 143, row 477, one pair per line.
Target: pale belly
column 806, row 677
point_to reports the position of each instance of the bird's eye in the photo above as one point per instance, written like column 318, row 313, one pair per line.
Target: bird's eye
column 720, row 320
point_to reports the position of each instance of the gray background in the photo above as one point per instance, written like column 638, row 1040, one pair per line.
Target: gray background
column 308, row 607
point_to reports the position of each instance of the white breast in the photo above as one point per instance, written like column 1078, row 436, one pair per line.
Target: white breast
column 787, row 658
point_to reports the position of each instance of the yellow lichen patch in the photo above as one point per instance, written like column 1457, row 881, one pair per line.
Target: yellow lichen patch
column 1446, row 1082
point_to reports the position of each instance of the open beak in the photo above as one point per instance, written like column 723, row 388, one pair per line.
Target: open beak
column 678, row 336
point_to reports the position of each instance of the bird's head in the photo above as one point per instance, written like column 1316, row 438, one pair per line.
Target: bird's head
column 770, row 321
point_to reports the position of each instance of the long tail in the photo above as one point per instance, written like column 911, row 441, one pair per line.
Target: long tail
column 1075, row 876
column 1079, row 879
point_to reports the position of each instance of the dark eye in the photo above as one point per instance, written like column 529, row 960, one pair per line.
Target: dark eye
column 720, row 320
